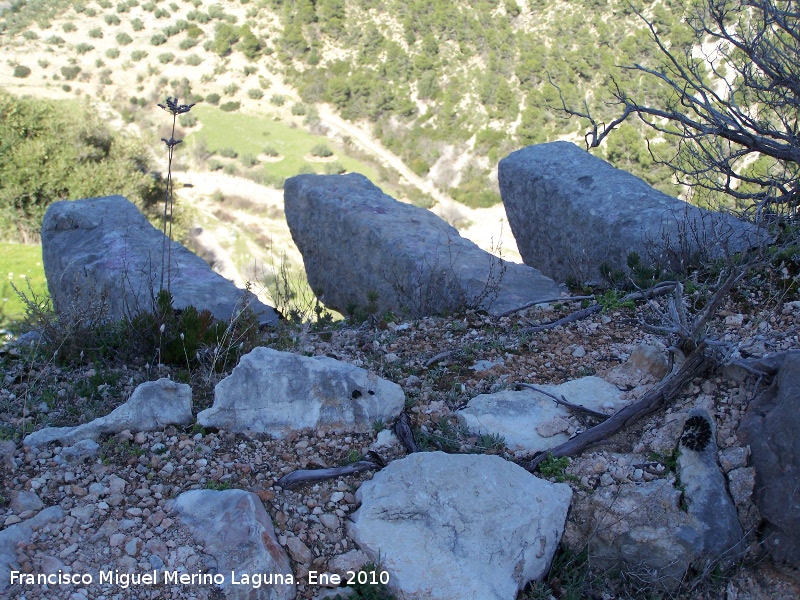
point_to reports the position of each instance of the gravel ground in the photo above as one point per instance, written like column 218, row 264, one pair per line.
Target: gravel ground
column 117, row 506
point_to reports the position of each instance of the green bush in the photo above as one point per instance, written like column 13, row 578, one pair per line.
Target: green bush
column 30, row 35
column 270, row 151
column 83, row 48
column 123, row 39
column 160, row 13
column 230, row 106
column 278, row 100
column 230, row 89
column 21, row 71
column 136, row 24
column 166, row 57
column 255, row 93
column 138, row 55
column 158, row 38
column 187, row 43
column 66, row 87
column 69, row 27
column 111, row 19
column 56, row 40
column 227, row 152
column 104, row 4
column 112, row 53
column 193, row 60
column 213, row 98
column 249, row 160
column 321, row 150
column 298, row 109
column 96, row 33
column 71, row 72
column 187, row 120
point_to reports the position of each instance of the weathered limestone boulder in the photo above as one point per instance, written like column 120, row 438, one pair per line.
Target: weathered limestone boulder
column 530, row 421
column 640, row 529
column 358, row 243
column 772, row 429
column 570, row 212
column 105, row 247
column 21, row 533
column 656, row 531
column 237, row 532
column 152, row 406
column 449, row 527
column 277, row 392
column 706, row 493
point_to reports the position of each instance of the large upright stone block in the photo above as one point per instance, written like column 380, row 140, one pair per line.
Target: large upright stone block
column 570, row 212
column 357, row 243
column 106, row 246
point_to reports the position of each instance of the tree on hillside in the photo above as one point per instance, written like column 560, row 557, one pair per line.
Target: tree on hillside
column 734, row 103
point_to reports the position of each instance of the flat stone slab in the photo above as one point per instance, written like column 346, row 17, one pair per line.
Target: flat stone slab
column 362, row 247
column 456, row 526
column 105, row 247
column 570, row 212
column 277, row 392
column 531, row 422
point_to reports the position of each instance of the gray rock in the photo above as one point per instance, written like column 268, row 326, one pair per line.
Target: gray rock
column 705, row 492
column 772, row 430
column 531, row 422
column 570, row 212
column 78, row 452
column 647, row 364
column 105, row 246
column 459, row 526
column 22, row 501
column 277, row 392
column 152, row 406
column 639, row 529
column 22, row 532
column 234, row 528
column 357, row 241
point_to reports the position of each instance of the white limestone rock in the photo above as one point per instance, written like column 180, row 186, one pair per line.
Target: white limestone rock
column 530, row 421
column 277, row 392
column 152, row 406
column 449, row 527
column 237, row 532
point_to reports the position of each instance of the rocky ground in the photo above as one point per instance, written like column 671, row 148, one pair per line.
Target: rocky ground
column 117, row 505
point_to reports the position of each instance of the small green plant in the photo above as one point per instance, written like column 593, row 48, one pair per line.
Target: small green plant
column 230, row 89
column 111, row 19
column 278, row 100
column 96, row 33
column 379, row 425
column 612, row 300
column 138, row 55
column 255, row 93
column 22, row 71
column 83, row 48
column 112, row 53
column 298, row 109
column 187, row 120
column 270, row 151
column 217, row 485
column 157, row 39
column 123, row 39
column 193, row 60
column 136, row 24
column 166, row 57
column 228, row 152
column 187, row 43
column 556, row 468
column 213, row 98
column 69, row 27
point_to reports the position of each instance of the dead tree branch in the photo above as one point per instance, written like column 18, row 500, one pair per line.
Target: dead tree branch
column 563, row 402
column 695, row 365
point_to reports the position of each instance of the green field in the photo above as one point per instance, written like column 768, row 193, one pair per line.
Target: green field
column 251, row 134
column 20, row 264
